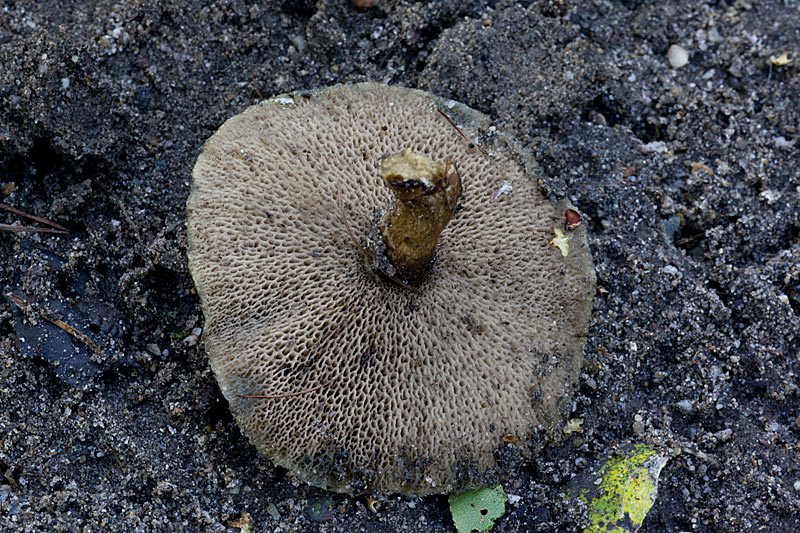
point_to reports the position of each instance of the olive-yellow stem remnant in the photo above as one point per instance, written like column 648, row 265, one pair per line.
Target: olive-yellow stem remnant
column 426, row 195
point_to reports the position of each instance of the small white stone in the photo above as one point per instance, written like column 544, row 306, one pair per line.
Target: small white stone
column 677, row 56
column 299, row 42
column 781, row 142
column 724, row 434
column 65, row 83
column 655, row 147
column 773, row 426
column 671, row 270
column 513, row 499
column 770, row 196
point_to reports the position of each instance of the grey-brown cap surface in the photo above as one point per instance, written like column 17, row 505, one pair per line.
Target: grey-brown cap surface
column 380, row 388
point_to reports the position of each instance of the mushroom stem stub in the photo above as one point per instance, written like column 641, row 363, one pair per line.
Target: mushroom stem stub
column 426, row 194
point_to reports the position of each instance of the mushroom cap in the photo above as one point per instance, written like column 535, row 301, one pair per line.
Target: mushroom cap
column 385, row 389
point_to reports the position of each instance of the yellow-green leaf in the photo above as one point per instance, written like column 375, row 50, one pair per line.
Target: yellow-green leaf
column 621, row 492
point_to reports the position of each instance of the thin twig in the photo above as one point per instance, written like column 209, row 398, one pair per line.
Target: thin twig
column 450, row 120
column 32, row 229
column 22, row 304
column 285, row 395
column 453, row 182
column 34, row 217
column 343, row 214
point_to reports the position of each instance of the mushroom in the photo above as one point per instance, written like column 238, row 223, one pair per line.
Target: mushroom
column 428, row 378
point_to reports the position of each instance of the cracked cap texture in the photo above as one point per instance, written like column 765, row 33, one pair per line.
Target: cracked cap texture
column 426, row 391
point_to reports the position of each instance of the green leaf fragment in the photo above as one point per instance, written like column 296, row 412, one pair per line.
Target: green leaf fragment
column 627, row 490
column 476, row 510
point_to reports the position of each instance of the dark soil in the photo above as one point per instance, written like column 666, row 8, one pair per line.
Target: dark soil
column 688, row 178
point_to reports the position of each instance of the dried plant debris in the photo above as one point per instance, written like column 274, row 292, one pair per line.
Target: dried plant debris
column 621, row 490
column 76, row 338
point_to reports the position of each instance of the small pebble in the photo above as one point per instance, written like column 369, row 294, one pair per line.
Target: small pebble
column 686, row 406
column 299, row 42
column 771, row 196
column 655, row 147
column 781, row 142
column 677, row 56
column 671, row 226
column 193, row 338
column 153, row 349
column 724, row 434
column 671, row 270
column 774, row 426
column 273, row 511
